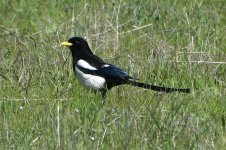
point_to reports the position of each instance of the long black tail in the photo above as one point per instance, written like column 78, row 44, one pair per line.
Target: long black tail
column 158, row 88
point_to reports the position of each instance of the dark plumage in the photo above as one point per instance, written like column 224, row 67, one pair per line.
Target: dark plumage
column 98, row 75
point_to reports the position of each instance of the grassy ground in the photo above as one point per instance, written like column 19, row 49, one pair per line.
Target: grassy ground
column 42, row 106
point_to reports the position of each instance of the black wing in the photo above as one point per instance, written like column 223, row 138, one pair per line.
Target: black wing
column 95, row 61
column 110, row 72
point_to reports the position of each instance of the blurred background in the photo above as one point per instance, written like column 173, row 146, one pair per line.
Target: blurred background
column 167, row 42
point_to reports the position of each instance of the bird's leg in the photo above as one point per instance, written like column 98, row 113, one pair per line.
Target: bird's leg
column 103, row 92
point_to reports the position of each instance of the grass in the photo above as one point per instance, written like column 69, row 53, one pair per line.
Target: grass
column 42, row 106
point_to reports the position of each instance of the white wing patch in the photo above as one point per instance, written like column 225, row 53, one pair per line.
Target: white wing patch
column 106, row 65
column 90, row 81
column 82, row 63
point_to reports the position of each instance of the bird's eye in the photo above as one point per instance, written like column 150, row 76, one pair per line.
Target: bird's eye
column 77, row 41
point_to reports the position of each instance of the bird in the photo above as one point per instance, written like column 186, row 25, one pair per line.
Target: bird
column 97, row 75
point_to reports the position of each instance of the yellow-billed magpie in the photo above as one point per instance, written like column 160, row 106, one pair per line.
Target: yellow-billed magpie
column 95, row 74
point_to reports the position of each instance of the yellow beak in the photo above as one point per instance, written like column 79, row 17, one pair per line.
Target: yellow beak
column 66, row 44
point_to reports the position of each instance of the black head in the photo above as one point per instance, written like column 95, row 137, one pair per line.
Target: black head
column 78, row 46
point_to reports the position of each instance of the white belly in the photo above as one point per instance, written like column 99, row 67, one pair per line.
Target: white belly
column 90, row 81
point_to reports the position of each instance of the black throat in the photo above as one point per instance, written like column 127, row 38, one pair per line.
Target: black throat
column 81, row 50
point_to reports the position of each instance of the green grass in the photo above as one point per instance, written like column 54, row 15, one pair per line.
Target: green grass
column 42, row 106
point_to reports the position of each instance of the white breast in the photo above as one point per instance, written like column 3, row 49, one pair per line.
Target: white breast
column 90, row 81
